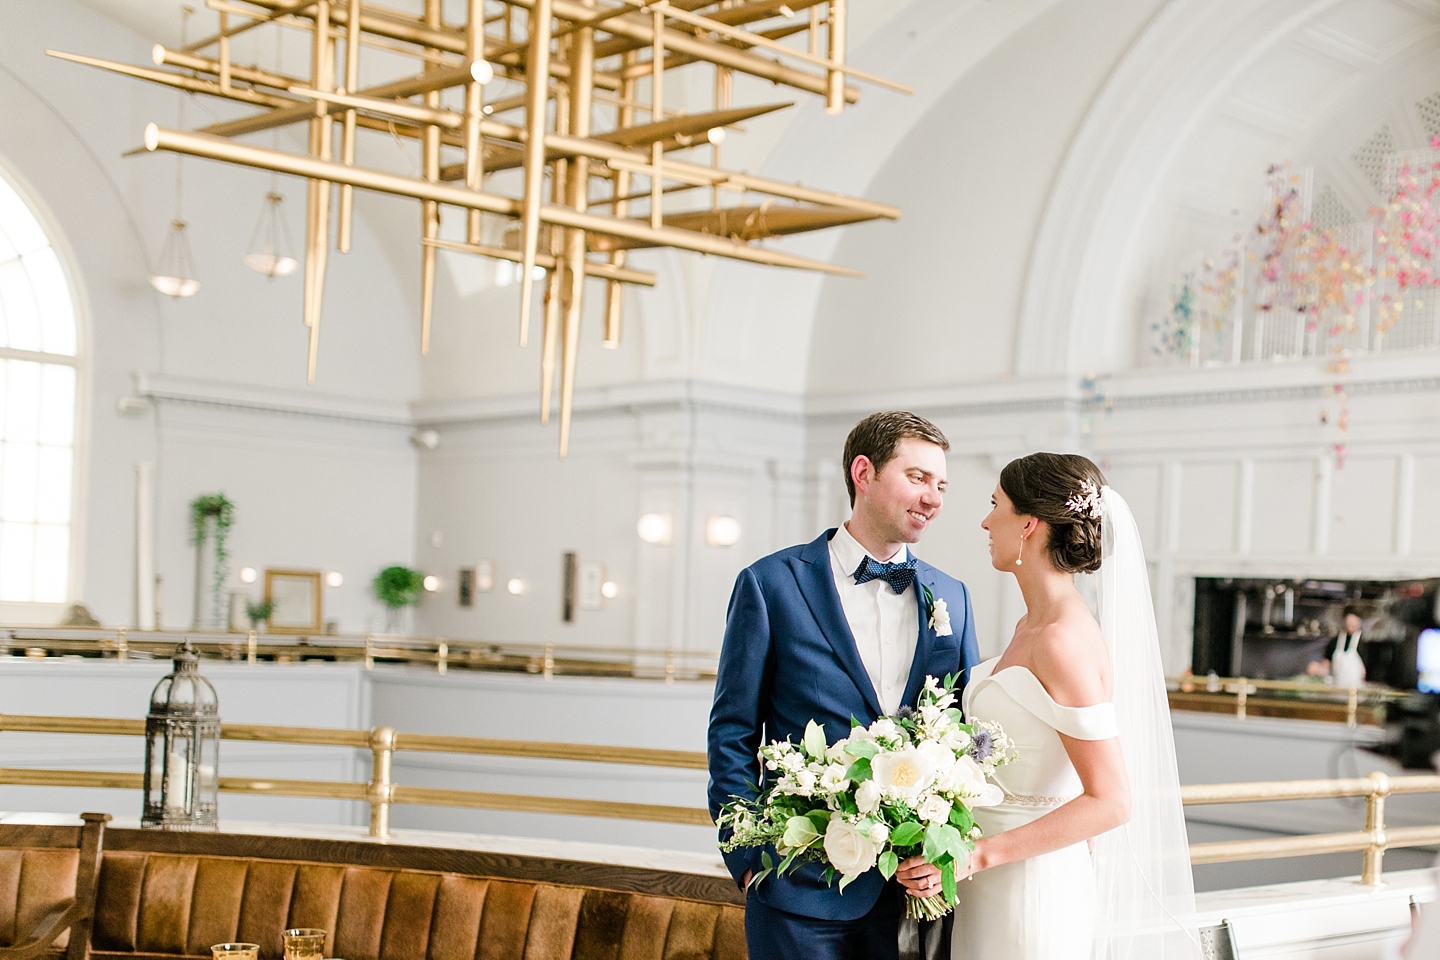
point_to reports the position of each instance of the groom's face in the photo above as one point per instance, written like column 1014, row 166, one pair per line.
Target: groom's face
column 906, row 495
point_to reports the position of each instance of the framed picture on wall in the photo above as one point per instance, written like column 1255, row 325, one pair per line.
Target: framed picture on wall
column 294, row 597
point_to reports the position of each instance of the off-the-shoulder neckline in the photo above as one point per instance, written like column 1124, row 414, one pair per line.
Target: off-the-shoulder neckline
column 1039, row 685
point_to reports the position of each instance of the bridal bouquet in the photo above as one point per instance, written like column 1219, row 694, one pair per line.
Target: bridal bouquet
column 902, row 787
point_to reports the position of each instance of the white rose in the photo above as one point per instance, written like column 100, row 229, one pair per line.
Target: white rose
column 848, row 850
column 867, row 796
column 956, row 740
column 833, row 779
column 935, row 810
column 884, row 728
column 902, row 774
column 878, row 832
column 940, row 619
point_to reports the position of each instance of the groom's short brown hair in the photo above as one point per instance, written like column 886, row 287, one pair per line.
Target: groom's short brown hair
column 877, row 436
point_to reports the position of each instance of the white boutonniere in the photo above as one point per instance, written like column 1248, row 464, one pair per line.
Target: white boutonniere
column 938, row 613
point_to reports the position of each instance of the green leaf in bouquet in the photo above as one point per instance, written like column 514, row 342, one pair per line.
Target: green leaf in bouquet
column 940, row 839
column 955, row 715
column 855, row 723
column 820, row 819
column 846, row 880
column 858, row 771
column 815, row 740
column 960, row 818
column 947, row 882
column 800, row 832
column 888, row 864
column 906, row 835
column 847, row 804
column 767, row 861
column 785, row 864
column 862, row 748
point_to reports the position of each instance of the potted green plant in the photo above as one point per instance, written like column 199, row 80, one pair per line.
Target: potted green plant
column 211, row 511
column 258, row 610
column 397, row 587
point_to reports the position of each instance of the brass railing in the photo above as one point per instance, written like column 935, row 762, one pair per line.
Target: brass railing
column 1314, row 692
column 443, row 653
column 381, row 792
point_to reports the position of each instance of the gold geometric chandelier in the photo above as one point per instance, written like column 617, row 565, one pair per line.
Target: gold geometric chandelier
column 595, row 181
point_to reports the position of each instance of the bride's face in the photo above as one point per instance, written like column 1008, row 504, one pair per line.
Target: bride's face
column 1006, row 529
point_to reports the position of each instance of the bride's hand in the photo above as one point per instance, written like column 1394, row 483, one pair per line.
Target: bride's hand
column 978, row 861
column 920, row 879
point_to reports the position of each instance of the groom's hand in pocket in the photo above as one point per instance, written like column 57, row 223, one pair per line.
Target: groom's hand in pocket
column 920, row 879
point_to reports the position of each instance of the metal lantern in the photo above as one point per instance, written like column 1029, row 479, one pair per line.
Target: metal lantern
column 182, row 749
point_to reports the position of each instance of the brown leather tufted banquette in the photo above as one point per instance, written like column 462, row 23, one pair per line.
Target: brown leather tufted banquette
column 168, row 895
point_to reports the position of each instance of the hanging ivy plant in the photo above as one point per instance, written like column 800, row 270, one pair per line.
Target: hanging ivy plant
column 207, row 510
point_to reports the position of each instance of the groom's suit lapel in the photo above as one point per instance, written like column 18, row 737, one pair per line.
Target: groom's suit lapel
column 817, row 586
column 925, row 639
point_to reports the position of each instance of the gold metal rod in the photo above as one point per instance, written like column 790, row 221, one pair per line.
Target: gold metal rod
column 474, row 113
column 657, row 115
column 179, row 82
column 555, row 287
column 640, row 29
column 162, row 56
column 589, row 753
column 229, row 151
column 813, row 39
column 610, row 809
column 256, row 20
column 224, row 53
column 293, row 113
column 603, row 271
column 347, row 140
column 380, row 791
column 538, row 69
column 835, row 67
column 835, row 37
column 614, row 292
column 582, row 69
column 429, row 209
column 318, row 191
column 428, row 114
column 1230, row 851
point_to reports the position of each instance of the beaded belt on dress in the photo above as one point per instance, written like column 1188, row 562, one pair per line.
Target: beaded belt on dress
column 1011, row 798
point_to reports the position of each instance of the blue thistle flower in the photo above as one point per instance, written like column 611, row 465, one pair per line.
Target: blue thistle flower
column 981, row 745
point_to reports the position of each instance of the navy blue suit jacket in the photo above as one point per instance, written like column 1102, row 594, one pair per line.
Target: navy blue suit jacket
column 788, row 658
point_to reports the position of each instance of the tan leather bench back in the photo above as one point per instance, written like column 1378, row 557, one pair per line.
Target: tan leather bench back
column 32, row 881
column 172, row 905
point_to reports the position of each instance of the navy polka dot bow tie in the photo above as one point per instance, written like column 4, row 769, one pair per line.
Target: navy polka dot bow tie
column 898, row 575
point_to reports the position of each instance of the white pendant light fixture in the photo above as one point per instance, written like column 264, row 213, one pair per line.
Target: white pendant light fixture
column 270, row 246
column 175, row 274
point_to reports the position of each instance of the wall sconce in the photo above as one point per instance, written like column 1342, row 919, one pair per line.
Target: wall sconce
column 248, row 574
column 334, row 578
column 516, row 586
column 609, row 590
column 655, row 528
column 430, row 583
column 722, row 531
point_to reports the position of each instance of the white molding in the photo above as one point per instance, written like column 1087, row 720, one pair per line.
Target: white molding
column 163, row 389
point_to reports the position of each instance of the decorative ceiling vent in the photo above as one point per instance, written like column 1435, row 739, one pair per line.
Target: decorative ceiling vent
column 1328, row 211
column 1429, row 110
column 1372, row 154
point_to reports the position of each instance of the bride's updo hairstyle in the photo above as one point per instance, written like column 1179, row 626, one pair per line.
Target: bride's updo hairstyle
column 1049, row 487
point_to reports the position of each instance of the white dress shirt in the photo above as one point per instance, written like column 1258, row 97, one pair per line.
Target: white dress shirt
column 885, row 624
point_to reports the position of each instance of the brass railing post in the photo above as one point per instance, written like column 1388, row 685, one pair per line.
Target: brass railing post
column 369, row 652
column 669, row 666
column 1352, row 708
column 252, row 642
column 1375, row 826
column 381, row 790
column 122, row 645
column 548, row 669
column 442, row 656
column 1240, row 698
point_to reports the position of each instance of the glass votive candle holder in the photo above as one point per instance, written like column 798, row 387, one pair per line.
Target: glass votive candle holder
column 235, row 951
column 304, row 943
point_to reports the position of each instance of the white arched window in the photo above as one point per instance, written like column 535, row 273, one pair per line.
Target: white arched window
column 37, row 409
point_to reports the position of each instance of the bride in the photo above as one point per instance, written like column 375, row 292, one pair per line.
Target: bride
column 1087, row 855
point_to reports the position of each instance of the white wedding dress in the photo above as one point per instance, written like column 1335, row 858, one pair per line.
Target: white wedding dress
column 1042, row 908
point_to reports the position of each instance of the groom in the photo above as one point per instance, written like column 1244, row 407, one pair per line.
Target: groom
column 835, row 629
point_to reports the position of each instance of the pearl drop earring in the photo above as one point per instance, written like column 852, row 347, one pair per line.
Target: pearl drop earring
column 1018, row 561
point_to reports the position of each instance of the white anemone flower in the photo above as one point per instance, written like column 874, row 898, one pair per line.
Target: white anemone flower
column 903, row 774
column 967, row 780
column 833, row 779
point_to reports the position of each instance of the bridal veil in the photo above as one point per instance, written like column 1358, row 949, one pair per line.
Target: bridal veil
column 1144, row 891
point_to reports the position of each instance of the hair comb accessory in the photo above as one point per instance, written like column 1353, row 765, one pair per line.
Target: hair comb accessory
column 1087, row 502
